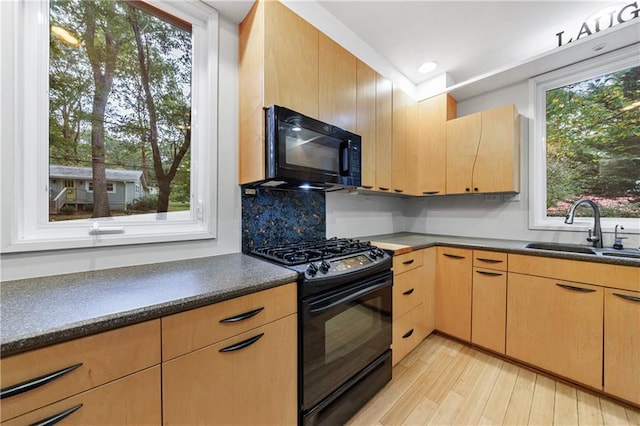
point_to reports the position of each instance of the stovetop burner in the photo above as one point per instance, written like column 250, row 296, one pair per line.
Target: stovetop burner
column 312, row 251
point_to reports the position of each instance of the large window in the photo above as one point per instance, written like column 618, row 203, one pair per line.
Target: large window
column 110, row 93
column 586, row 142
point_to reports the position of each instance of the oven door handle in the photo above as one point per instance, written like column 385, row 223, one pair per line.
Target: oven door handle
column 317, row 308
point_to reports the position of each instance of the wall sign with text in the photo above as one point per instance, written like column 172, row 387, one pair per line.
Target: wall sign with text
column 607, row 18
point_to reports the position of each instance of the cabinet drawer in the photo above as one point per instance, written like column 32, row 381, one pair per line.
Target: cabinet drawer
column 194, row 329
column 622, row 344
column 249, row 379
column 407, row 261
column 133, row 400
column 408, row 291
column 99, row 359
column 490, row 259
column 408, row 331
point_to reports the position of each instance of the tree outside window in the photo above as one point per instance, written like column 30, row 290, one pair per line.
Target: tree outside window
column 120, row 98
column 593, row 144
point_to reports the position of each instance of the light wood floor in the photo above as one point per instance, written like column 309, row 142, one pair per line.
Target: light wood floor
column 443, row 382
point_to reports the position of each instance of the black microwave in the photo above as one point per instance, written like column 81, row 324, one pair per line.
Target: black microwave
column 304, row 153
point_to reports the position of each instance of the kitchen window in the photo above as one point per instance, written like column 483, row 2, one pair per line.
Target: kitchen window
column 585, row 142
column 100, row 89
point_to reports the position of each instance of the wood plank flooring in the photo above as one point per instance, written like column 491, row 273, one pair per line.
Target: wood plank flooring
column 443, row 382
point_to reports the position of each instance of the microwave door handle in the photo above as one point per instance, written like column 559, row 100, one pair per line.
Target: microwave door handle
column 344, row 159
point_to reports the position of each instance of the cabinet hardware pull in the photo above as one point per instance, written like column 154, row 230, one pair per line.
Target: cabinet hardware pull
column 408, row 334
column 250, row 341
column 35, row 383
column 475, row 189
column 408, row 292
column 399, row 190
column 408, row 262
column 482, row 259
column 430, row 192
column 49, row 421
column 491, row 274
column 453, row 256
column 242, row 317
column 467, row 189
column 580, row 289
column 627, row 297
column 367, row 186
column 383, row 188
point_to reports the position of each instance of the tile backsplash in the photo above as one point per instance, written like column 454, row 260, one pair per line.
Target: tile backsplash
column 274, row 217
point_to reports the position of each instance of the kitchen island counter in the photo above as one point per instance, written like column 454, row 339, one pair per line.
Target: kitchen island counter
column 37, row 312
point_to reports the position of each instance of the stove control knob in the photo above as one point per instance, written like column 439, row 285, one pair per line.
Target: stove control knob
column 312, row 269
column 380, row 252
column 373, row 254
column 324, row 266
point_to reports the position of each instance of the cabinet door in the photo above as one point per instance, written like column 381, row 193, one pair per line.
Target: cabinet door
column 366, row 121
column 399, row 144
column 497, row 166
column 384, row 135
column 433, row 114
column 239, row 381
column 337, row 84
column 622, row 344
column 453, row 292
column 489, row 311
column 463, row 137
column 133, row 400
column 557, row 326
column 290, row 60
column 429, row 259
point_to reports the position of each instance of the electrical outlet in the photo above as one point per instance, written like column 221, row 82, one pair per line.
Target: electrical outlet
column 492, row 198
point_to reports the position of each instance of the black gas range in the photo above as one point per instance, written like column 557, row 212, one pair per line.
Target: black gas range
column 344, row 324
column 324, row 264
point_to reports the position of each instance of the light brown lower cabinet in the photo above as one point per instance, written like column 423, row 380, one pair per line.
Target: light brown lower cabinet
column 248, row 379
column 622, row 344
column 133, row 400
column 488, row 313
column 453, row 292
column 557, row 326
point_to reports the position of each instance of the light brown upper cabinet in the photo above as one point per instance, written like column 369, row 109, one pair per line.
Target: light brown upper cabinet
column 431, row 152
column 337, row 84
column 400, row 101
column 277, row 64
column 384, row 134
column 483, row 152
column 366, row 79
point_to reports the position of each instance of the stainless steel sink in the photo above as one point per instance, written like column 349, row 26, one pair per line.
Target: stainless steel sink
column 630, row 254
column 576, row 248
column 567, row 248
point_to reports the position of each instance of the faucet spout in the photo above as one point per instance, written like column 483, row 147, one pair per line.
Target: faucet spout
column 596, row 238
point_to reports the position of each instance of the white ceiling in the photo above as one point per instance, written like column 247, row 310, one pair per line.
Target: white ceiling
column 466, row 38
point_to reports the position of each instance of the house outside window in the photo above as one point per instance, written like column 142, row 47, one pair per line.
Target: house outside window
column 54, row 122
column 585, row 142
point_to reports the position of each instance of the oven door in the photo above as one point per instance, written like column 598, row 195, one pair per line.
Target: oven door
column 342, row 332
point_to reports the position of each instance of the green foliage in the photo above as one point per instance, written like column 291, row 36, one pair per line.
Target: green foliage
column 145, row 204
column 593, row 142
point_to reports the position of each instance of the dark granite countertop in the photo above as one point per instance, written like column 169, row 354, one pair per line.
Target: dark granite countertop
column 40, row 311
column 419, row 241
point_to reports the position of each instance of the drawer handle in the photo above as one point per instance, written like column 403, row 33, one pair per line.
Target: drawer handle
column 482, row 259
column 245, row 343
column 57, row 417
column 580, row 289
column 242, row 317
column 408, row 334
column 627, row 297
column 383, row 188
column 399, row 190
column 408, row 262
column 453, row 256
column 367, row 186
column 491, row 274
column 408, row 292
column 430, row 192
column 35, row 383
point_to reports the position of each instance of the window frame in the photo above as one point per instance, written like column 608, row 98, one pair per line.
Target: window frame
column 538, row 86
column 24, row 130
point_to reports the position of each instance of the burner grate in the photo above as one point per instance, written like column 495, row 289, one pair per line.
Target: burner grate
column 311, row 251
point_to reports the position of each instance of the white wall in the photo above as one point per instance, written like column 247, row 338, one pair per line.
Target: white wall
column 352, row 215
column 26, row 265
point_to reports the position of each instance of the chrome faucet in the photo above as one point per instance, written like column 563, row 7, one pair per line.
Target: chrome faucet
column 596, row 237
